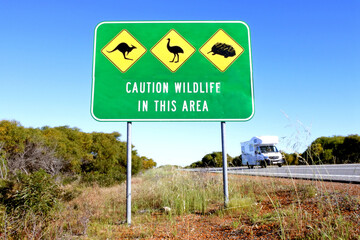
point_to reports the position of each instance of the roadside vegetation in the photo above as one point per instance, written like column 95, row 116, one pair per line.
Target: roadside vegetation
column 170, row 203
column 37, row 166
column 66, row 152
column 62, row 183
column 324, row 150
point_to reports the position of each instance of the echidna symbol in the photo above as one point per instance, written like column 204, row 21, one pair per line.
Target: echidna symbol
column 223, row 49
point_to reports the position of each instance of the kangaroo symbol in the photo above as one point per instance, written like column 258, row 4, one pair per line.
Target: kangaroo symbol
column 124, row 48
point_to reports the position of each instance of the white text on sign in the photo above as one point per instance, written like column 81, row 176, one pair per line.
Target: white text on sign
column 179, row 87
column 193, row 105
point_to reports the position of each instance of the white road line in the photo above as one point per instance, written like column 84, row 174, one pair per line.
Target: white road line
column 298, row 174
column 333, row 168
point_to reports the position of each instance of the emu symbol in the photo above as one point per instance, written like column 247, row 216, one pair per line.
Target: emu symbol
column 174, row 50
column 124, row 49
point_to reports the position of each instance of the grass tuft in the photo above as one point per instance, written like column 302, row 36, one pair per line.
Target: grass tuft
column 278, row 208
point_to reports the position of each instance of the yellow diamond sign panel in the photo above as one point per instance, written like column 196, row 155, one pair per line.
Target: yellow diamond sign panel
column 221, row 50
column 123, row 50
column 173, row 50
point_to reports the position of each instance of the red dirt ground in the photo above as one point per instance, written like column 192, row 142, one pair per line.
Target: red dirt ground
column 214, row 226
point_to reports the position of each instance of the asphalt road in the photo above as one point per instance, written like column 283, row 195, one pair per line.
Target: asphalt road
column 349, row 173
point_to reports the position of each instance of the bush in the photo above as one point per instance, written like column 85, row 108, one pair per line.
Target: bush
column 104, row 179
column 37, row 193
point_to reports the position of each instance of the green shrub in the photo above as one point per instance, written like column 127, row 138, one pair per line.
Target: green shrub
column 71, row 194
column 103, row 179
column 37, row 192
column 69, row 179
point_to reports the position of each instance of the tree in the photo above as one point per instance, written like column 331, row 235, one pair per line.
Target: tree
column 237, row 161
column 330, row 146
column 148, row 163
column 96, row 156
column 36, row 156
column 13, row 135
column 25, row 149
column 292, row 159
column 213, row 159
column 67, row 143
column 349, row 150
column 336, row 149
column 196, row 164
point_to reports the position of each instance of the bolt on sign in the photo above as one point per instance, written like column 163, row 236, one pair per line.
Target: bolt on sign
column 172, row 71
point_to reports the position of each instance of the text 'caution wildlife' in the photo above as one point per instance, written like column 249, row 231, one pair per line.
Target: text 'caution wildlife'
column 172, row 71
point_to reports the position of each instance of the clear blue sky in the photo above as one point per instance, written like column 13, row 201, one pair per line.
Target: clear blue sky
column 306, row 69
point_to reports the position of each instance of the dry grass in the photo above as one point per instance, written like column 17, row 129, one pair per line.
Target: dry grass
column 259, row 208
column 279, row 209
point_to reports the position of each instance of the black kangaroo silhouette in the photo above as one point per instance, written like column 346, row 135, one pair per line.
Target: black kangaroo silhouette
column 174, row 50
column 124, row 48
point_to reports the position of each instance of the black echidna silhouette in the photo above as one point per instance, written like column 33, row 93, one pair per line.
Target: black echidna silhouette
column 124, row 48
column 223, row 49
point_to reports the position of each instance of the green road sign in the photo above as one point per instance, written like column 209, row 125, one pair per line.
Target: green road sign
column 172, row 71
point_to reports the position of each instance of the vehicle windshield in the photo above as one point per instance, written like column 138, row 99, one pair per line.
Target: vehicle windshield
column 266, row 149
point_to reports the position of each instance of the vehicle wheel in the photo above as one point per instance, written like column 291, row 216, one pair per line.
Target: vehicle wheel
column 280, row 165
column 263, row 164
column 248, row 165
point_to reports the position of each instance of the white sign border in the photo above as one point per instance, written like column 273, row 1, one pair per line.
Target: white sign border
column 171, row 120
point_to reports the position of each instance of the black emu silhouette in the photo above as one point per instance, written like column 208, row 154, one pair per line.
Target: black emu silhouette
column 174, row 50
column 124, row 48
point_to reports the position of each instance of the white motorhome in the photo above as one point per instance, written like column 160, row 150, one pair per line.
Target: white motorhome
column 261, row 151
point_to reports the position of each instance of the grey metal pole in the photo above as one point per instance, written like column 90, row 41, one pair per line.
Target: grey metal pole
column 128, row 174
column 225, row 174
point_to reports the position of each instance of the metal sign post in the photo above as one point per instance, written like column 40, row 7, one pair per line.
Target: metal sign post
column 190, row 71
column 128, row 175
column 225, row 174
